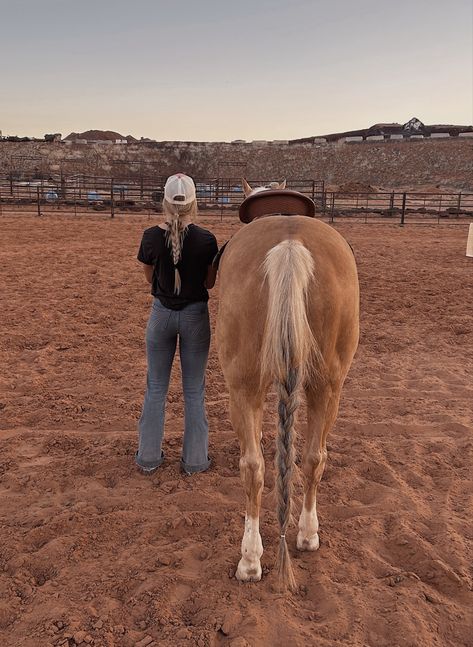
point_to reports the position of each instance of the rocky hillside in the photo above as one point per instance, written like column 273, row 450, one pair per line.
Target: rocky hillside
column 443, row 163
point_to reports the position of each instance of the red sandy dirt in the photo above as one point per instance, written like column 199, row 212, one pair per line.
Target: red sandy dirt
column 93, row 553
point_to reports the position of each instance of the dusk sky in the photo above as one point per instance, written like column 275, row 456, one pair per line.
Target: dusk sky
column 210, row 70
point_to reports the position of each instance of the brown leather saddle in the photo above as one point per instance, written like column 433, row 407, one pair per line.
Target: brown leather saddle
column 271, row 202
column 276, row 202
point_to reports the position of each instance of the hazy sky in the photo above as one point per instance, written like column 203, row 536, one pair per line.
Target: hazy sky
column 223, row 70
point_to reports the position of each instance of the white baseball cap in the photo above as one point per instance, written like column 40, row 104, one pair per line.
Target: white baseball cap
column 179, row 189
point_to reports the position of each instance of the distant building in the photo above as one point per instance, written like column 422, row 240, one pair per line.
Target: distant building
column 414, row 125
column 414, row 128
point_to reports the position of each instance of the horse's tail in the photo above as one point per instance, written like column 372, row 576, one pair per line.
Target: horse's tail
column 290, row 354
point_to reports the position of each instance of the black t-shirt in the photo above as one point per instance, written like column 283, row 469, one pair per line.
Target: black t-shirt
column 198, row 250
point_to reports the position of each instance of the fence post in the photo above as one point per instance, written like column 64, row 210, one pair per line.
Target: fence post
column 333, row 206
column 313, row 190
column 112, row 202
column 403, row 212
column 391, row 202
column 38, row 201
column 459, row 203
column 63, row 187
column 1, row 208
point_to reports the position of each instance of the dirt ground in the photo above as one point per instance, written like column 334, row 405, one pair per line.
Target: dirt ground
column 94, row 553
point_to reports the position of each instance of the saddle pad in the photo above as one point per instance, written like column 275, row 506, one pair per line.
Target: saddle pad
column 276, row 202
column 218, row 256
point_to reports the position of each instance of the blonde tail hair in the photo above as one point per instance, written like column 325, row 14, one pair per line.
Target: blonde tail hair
column 290, row 354
column 176, row 231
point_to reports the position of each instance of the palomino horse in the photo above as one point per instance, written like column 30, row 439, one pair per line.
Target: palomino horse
column 288, row 314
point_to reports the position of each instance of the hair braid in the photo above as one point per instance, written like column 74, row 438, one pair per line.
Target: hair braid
column 175, row 234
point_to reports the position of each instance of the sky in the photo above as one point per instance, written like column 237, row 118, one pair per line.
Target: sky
column 210, row 70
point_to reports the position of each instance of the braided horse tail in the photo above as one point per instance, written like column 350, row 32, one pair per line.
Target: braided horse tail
column 289, row 355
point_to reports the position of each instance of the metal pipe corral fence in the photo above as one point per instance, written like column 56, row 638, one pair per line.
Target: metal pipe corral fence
column 124, row 195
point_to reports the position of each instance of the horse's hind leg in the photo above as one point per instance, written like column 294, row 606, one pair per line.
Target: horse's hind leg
column 246, row 411
column 322, row 409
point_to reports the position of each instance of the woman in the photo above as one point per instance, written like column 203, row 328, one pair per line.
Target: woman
column 177, row 257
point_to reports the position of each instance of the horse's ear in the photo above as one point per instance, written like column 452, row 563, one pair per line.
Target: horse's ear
column 283, row 184
column 247, row 190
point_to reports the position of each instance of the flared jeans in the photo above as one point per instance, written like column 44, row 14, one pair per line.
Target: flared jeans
column 191, row 326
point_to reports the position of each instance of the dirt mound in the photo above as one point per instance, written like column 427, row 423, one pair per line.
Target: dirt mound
column 356, row 187
column 99, row 135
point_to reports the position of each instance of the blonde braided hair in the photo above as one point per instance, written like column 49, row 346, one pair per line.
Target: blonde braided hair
column 176, row 231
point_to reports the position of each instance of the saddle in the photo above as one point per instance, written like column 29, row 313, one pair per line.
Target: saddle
column 276, row 202
column 271, row 202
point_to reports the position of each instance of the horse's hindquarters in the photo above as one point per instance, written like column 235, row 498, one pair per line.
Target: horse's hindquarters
column 288, row 294
column 332, row 295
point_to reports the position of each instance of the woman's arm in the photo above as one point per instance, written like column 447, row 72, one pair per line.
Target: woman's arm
column 211, row 277
column 148, row 272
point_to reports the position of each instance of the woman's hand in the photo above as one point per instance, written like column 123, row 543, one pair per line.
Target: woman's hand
column 211, row 277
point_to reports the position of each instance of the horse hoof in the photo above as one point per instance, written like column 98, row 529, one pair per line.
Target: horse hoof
column 308, row 543
column 248, row 572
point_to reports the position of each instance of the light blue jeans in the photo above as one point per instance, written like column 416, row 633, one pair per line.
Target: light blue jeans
column 191, row 325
